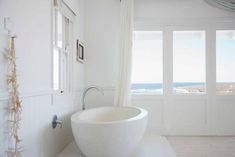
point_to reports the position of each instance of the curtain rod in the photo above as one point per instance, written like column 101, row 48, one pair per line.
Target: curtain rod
column 69, row 7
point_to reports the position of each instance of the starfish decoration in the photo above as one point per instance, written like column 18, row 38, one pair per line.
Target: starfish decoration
column 14, row 103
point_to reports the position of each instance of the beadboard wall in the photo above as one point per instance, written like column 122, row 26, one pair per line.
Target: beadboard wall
column 32, row 25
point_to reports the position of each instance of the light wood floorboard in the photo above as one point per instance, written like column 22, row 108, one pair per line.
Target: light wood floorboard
column 203, row 146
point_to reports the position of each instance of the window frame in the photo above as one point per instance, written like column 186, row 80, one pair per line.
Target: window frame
column 154, row 93
column 210, row 29
column 175, row 29
column 65, row 76
column 221, row 27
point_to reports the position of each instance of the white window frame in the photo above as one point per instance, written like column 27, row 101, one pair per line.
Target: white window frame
column 218, row 27
column 65, row 53
column 163, row 42
column 171, row 54
column 167, row 27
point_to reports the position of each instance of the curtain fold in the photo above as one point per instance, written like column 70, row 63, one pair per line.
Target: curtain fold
column 223, row 4
column 122, row 95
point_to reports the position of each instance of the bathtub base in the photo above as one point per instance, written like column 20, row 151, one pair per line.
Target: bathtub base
column 151, row 146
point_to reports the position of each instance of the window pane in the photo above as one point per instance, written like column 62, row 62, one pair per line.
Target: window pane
column 54, row 26
column 56, row 67
column 189, row 62
column 66, row 33
column 63, row 70
column 225, row 62
column 59, row 30
column 147, row 63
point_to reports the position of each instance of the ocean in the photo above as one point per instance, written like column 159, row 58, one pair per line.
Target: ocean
column 157, row 86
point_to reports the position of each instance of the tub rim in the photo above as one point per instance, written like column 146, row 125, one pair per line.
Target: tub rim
column 143, row 113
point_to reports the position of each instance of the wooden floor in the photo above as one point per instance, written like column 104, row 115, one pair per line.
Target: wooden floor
column 203, row 146
column 151, row 146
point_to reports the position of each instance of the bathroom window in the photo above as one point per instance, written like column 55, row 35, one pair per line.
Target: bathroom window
column 62, row 28
column 147, row 63
column 225, row 62
column 189, row 62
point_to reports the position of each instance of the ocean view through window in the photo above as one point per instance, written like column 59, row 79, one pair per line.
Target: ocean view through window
column 225, row 62
column 189, row 62
column 147, row 62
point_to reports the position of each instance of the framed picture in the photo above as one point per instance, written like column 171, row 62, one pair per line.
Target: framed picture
column 80, row 52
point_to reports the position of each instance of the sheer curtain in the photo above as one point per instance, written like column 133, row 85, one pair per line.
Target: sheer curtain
column 122, row 97
column 223, row 4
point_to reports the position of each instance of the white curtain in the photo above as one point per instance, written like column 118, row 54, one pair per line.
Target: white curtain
column 223, row 4
column 122, row 97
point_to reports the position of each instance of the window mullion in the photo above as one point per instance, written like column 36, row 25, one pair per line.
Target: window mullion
column 211, row 62
column 168, row 62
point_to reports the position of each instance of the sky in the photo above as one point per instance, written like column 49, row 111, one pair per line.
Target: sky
column 147, row 57
column 225, row 56
column 188, row 56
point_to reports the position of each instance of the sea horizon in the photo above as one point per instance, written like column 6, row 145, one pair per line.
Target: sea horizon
column 152, row 86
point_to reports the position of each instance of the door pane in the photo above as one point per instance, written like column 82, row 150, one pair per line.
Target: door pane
column 189, row 62
column 225, row 62
column 147, row 63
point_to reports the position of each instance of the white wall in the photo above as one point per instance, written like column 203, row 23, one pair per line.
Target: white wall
column 168, row 115
column 101, row 29
column 174, row 9
column 32, row 25
column 101, row 39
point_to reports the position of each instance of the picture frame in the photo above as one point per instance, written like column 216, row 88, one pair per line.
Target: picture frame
column 79, row 51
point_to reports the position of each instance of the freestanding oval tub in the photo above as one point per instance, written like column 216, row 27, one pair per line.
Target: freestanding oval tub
column 109, row 131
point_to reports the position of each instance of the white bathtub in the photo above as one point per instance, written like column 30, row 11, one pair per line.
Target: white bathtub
column 109, row 131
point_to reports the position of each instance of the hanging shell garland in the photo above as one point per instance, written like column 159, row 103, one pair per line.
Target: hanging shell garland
column 14, row 102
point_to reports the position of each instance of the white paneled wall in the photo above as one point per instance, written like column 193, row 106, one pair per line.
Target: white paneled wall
column 39, row 139
column 177, row 110
column 32, row 25
column 179, row 115
column 3, row 128
column 225, row 115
